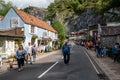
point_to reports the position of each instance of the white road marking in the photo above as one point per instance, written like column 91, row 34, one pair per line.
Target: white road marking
column 48, row 70
column 92, row 63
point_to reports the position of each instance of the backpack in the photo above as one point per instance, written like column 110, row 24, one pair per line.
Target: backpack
column 33, row 51
column 66, row 49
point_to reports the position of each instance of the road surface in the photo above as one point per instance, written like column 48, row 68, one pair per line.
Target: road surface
column 53, row 68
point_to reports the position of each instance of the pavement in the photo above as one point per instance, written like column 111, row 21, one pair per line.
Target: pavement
column 111, row 69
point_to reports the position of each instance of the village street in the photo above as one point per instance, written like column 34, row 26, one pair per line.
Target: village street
column 52, row 68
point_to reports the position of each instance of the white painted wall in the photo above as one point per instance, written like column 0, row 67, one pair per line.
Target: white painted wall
column 10, row 47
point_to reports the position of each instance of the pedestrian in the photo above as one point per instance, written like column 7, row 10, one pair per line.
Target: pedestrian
column 88, row 44
column 98, row 48
column 104, row 51
column 91, row 44
column 20, row 54
column 29, row 53
column 42, row 48
column 34, row 51
column 115, row 50
column 66, row 53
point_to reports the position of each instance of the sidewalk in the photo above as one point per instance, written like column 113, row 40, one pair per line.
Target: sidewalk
column 111, row 69
column 5, row 67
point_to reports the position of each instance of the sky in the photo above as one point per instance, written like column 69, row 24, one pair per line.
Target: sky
column 26, row 3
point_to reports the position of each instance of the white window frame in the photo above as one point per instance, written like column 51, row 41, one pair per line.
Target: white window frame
column 32, row 29
column 14, row 21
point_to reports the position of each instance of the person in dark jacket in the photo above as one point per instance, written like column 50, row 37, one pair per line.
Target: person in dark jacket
column 115, row 50
column 98, row 49
column 66, row 53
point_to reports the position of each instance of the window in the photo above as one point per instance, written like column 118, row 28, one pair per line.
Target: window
column 32, row 29
column 14, row 22
column 44, row 34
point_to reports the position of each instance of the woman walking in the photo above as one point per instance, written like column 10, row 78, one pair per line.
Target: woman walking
column 20, row 54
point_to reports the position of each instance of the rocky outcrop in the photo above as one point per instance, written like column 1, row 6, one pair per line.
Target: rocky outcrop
column 89, row 18
column 37, row 12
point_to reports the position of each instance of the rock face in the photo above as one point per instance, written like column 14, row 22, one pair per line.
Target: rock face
column 37, row 12
column 90, row 18
column 85, row 20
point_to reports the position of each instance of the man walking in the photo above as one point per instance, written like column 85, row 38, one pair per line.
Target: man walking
column 66, row 53
column 34, row 51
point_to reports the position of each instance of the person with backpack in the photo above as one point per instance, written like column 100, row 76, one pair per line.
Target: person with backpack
column 34, row 52
column 66, row 53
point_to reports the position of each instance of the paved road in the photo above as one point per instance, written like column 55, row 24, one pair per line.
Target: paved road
column 53, row 68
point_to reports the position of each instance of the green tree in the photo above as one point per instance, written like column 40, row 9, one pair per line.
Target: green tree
column 61, row 29
column 4, row 7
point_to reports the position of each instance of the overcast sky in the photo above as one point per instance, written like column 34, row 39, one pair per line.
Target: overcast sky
column 36, row 3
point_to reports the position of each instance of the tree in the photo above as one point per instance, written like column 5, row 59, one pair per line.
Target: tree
column 61, row 29
column 4, row 7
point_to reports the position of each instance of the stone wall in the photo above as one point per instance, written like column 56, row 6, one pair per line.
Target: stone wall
column 108, row 41
column 118, row 38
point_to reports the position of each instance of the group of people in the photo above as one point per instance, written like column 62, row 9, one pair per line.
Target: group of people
column 89, row 44
column 22, row 55
column 102, row 51
column 28, row 54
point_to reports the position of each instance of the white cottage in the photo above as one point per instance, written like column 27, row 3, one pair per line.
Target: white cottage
column 18, row 26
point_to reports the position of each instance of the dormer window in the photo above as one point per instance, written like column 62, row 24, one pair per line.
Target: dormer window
column 14, row 22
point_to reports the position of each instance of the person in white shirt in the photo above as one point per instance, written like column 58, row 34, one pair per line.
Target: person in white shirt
column 29, row 53
column 42, row 48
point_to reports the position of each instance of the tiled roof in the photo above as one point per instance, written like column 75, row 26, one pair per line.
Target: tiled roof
column 110, row 31
column 29, row 19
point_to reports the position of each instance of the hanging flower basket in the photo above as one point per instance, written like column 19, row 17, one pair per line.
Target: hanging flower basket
column 34, row 37
column 50, row 39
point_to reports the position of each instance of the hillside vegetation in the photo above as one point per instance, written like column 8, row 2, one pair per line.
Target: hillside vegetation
column 69, row 8
column 4, row 7
column 80, row 14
